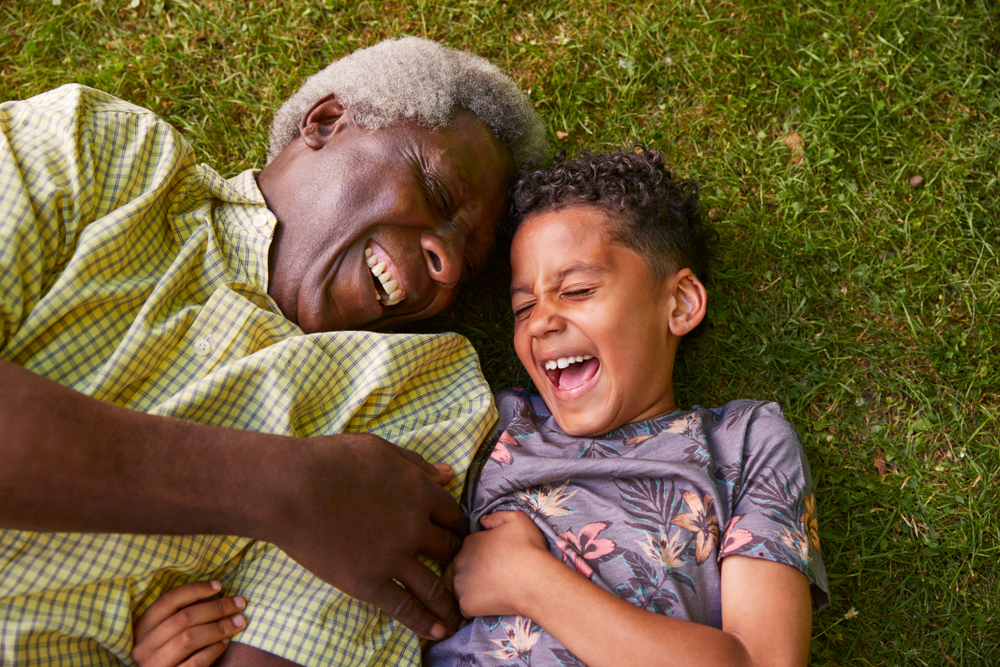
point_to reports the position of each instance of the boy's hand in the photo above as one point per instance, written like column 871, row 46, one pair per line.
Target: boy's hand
column 493, row 562
column 177, row 629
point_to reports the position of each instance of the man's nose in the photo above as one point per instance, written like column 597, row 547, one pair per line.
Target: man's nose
column 443, row 254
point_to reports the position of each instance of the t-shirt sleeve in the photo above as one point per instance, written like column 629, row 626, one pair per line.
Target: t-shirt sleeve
column 774, row 506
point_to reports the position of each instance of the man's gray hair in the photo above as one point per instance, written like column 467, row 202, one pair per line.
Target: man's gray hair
column 412, row 79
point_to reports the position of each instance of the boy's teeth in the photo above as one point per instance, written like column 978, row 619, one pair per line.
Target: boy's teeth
column 564, row 362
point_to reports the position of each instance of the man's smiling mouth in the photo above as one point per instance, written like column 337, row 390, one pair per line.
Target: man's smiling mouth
column 571, row 372
column 387, row 288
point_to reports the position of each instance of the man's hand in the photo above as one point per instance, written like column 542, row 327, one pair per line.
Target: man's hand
column 489, row 566
column 360, row 514
column 352, row 508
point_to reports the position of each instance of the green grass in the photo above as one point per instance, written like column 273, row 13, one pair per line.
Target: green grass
column 869, row 309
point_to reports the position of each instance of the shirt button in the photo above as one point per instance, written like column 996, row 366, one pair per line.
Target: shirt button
column 259, row 220
column 202, row 346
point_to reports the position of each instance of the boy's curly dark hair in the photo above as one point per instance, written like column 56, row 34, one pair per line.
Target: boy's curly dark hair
column 649, row 208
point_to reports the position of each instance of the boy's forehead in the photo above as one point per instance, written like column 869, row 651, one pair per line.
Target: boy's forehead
column 552, row 245
column 573, row 226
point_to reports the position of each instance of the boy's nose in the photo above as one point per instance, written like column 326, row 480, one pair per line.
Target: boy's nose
column 544, row 320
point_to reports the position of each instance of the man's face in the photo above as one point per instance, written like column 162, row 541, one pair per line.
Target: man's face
column 417, row 207
column 591, row 325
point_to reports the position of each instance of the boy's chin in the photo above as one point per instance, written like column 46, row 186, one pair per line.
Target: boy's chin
column 583, row 425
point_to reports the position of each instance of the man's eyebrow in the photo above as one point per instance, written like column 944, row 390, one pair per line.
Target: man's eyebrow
column 588, row 268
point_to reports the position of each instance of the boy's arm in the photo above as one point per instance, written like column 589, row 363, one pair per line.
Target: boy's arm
column 766, row 609
column 334, row 503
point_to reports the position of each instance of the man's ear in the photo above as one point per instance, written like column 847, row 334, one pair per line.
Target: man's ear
column 319, row 123
column 690, row 301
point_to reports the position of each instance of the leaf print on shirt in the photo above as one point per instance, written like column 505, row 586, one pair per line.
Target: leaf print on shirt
column 546, row 501
column 736, row 410
column 519, row 638
column 567, row 659
column 649, row 502
column 599, row 450
column 774, row 491
column 647, row 587
column 701, row 521
column 578, row 549
column 522, row 423
column 731, row 474
column 698, row 455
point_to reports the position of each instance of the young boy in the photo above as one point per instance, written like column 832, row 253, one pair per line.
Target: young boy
column 690, row 536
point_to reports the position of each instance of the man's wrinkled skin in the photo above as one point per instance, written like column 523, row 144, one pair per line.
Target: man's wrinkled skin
column 430, row 200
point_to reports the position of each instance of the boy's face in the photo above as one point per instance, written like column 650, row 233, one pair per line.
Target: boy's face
column 591, row 325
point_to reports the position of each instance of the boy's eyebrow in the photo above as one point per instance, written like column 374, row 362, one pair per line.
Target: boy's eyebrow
column 579, row 267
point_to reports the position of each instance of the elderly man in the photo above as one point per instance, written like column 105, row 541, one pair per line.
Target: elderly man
column 160, row 337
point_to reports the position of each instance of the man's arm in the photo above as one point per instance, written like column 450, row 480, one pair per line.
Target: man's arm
column 508, row 569
column 352, row 508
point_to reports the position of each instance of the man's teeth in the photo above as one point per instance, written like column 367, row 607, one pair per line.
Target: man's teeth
column 564, row 362
column 380, row 271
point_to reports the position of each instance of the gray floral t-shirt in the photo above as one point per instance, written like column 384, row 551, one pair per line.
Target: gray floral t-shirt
column 647, row 512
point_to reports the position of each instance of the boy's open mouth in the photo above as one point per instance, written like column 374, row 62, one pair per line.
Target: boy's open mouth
column 571, row 372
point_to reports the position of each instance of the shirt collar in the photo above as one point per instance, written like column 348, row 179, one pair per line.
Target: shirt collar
column 243, row 224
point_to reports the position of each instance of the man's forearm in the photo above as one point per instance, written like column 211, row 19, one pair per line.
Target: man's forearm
column 73, row 463
column 355, row 510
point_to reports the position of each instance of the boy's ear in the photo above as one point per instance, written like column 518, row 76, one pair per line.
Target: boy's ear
column 690, row 301
column 320, row 122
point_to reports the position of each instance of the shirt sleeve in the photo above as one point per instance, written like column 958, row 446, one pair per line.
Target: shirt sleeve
column 774, row 506
column 67, row 158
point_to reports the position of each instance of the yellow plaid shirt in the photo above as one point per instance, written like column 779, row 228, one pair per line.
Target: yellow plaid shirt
column 135, row 275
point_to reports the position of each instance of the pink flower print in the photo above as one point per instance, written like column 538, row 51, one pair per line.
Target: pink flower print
column 577, row 550
column 500, row 453
column 734, row 538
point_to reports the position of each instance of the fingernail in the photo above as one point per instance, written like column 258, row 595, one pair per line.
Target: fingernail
column 437, row 632
column 216, row 585
column 445, row 468
column 239, row 621
column 240, row 602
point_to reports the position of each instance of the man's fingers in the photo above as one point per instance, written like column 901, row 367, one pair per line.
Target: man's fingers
column 441, row 544
column 171, row 602
column 430, row 591
column 447, row 514
column 441, row 473
column 421, row 603
column 394, row 600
